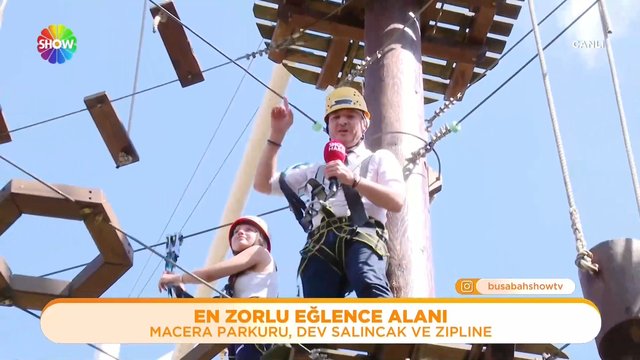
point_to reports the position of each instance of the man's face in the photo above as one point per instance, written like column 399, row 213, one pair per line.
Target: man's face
column 346, row 126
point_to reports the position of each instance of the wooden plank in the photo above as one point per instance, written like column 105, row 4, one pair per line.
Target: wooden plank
column 504, row 9
column 335, row 59
column 113, row 245
column 497, row 27
column 111, row 129
column 305, row 57
column 5, row 136
column 462, row 73
column 434, row 86
column 33, row 198
column 5, row 278
column 449, row 35
column 451, row 50
column 178, row 47
column 96, row 278
column 282, row 32
column 348, row 63
column 34, row 293
column 9, row 211
column 204, row 352
column 338, row 25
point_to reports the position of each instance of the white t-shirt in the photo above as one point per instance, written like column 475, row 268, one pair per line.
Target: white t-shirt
column 384, row 169
column 255, row 284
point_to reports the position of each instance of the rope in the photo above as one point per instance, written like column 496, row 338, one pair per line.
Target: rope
column 616, row 87
column 52, row 188
column 174, row 18
column 452, row 101
column 184, row 191
column 455, row 127
column 135, row 76
column 206, row 190
column 90, row 345
column 584, row 258
column 113, row 226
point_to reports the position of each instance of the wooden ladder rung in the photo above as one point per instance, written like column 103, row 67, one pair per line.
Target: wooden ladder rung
column 177, row 44
column 113, row 132
column 5, row 136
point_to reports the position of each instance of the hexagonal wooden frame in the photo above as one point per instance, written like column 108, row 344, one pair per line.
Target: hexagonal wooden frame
column 90, row 206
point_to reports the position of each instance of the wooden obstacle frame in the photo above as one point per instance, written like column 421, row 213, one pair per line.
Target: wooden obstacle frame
column 460, row 40
column 89, row 206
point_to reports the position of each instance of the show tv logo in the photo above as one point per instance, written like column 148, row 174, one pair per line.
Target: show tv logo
column 57, row 44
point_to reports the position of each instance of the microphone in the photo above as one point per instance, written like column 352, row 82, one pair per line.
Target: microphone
column 334, row 150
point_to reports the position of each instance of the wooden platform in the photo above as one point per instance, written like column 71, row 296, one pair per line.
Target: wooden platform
column 394, row 352
column 468, row 38
column 91, row 207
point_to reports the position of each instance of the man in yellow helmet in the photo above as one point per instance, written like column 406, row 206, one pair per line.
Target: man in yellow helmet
column 346, row 247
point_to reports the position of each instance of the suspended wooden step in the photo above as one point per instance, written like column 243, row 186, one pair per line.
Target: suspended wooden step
column 177, row 44
column 90, row 206
column 111, row 129
column 460, row 39
column 615, row 290
column 5, row 136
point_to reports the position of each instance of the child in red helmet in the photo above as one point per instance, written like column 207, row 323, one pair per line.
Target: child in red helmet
column 251, row 271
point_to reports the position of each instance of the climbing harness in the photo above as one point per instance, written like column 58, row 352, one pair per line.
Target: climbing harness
column 358, row 226
column 304, row 212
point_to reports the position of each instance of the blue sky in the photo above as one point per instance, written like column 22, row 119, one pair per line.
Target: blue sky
column 502, row 212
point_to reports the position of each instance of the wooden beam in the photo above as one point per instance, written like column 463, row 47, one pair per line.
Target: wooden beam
column 111, row 129
column 462, row 73
column 282, row 32
column 9, row 211
column 452, row 50
column 34, row 293
column 348, row 64
column 177, row 44
column 113, row 245
column 338, row 25
column 335, row 59
column 5, row 278
column 5, row 136
column 33, row 198
column 96, row 278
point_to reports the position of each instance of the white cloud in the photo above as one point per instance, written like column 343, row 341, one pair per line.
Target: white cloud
column 589, row 27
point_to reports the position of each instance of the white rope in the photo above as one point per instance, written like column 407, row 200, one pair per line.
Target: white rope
column 583, row 260
column 606, row 29
column 135, row 76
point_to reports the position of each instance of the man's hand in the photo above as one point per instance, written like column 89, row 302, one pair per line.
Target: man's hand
column 339, row 170
column 281, row 118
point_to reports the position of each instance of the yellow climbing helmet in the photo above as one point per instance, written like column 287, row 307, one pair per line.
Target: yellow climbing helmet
column 260, row 224
column 345, row 98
